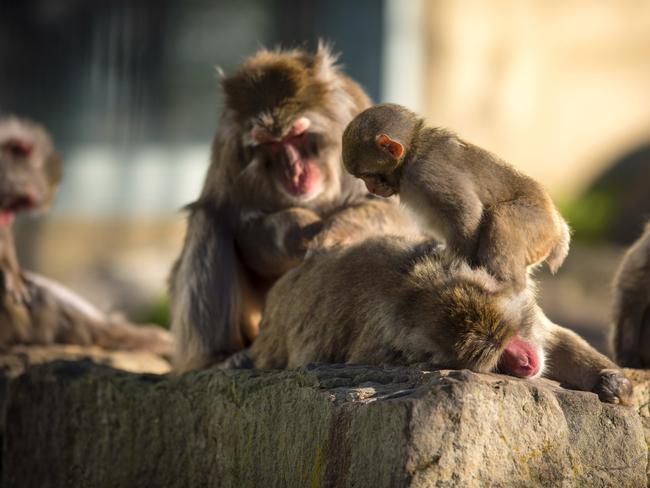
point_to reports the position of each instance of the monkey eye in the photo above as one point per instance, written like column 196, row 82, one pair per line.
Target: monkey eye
column 270, row 143
column 374, row 178
column 18, row 148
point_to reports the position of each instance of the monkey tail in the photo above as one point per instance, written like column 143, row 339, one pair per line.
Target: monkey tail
column 560, row 251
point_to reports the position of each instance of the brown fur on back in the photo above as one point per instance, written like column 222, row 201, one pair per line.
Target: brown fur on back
column 389, row 300
column 386, row 300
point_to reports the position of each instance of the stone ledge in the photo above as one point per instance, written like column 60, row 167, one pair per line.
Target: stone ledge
column 80, row 424
column 17, row 359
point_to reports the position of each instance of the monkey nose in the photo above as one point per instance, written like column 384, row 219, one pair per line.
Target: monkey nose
column 300, row 126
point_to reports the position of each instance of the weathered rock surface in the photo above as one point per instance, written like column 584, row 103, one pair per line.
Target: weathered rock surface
column 641, row 401
column 79, row 424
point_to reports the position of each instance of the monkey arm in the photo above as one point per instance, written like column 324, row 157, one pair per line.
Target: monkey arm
column 271, row 244
column 369, row 216
column 572, row 361
column 12, row 282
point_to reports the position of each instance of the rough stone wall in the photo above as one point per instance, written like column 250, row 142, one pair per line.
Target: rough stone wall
column 80, row 424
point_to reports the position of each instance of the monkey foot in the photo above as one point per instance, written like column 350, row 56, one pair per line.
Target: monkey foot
column 614, row 387
column 239, row 360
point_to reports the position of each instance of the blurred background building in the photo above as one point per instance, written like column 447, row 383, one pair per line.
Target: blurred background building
column 129, row 91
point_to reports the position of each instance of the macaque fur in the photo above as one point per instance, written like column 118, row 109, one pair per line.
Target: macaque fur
column 33, row 309
column 275, row 190
column 397, row 301
column 481, row 207
column 631, row 315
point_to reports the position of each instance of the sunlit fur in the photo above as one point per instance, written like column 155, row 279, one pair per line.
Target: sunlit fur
column 389, row 300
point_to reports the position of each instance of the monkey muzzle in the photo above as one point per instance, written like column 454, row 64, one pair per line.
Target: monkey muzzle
column 11, row 204
column 378, row 187
column 299, row 172
column 520, row 358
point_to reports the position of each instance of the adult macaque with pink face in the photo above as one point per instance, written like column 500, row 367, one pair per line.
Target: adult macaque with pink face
column 33, row 309
column 274, row 190
column 391, row 300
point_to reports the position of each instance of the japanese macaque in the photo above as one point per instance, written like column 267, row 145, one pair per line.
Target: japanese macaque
column 33, row 309
column 631, row 320
column 275, row 190
column 481, row 207
column 393, row 300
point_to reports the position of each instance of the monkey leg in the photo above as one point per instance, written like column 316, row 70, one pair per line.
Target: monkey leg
column 501, row 247
column 368, row 217
column 253, row 289
column 573, row 362
column 272, row 244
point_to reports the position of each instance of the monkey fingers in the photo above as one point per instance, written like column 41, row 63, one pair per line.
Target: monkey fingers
column 369, row 217
column 614, row 387
column 239, row 360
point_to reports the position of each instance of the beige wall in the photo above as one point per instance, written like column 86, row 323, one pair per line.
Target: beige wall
column 558, row 88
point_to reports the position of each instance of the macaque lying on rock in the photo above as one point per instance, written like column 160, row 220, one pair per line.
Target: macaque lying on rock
column 391, row 300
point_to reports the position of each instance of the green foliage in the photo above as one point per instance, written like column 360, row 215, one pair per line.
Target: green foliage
column 157, row 312
column 591, row 215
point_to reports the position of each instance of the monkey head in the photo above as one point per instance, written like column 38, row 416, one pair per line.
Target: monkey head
column 477, row 322
column 495, row 333
column 288, row 109
column 376, row 144
column 30, row 169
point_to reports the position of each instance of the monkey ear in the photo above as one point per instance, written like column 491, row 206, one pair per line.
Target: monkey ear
column 393, row 147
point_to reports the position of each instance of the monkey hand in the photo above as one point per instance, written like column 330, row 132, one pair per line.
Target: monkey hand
column 272, row 244
column 335, row 233
column 614, row 387
column 303, row 226
column 239, row 360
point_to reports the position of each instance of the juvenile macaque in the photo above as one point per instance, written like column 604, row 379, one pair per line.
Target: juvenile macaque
column 33, row 309
column 631, row 328
column 482, row 208
column 390, row 300
column 275, row 190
